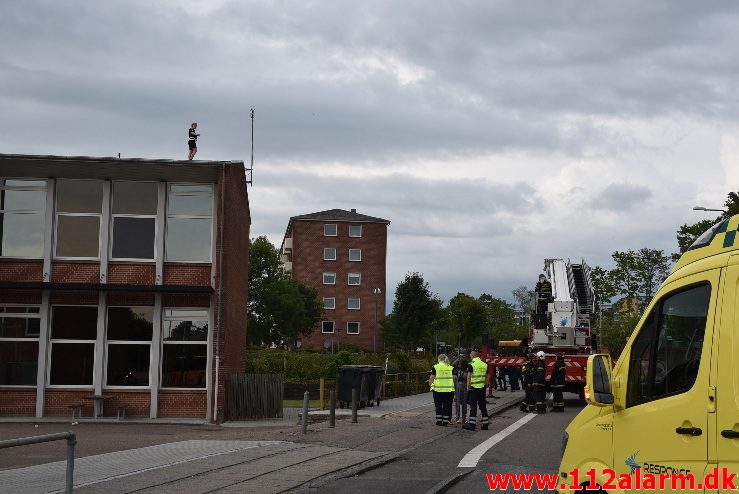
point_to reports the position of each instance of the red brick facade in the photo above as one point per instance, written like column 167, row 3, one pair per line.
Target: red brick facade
column 18, row 403
column 182, row 403
column 131, row 273
column 14, row 270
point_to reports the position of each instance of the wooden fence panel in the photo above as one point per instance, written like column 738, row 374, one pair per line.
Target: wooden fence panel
column 254, row 396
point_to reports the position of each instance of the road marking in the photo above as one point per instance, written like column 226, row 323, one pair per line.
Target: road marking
column 471, row 458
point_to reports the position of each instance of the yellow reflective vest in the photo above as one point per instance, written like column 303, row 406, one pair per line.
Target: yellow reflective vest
column 443, row 380
column 479, row 372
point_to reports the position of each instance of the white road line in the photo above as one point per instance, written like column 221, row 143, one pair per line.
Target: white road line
column 471, row 458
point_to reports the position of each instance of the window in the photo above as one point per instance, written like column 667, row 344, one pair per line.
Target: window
column 355, row 278
column 352, row 328
column 189, row 223
column 329, row 230
column 129, row 345
column 355, row 230
column 327, row 327
column 353, row 303
column 184, row 348
column 134, row 220
column 666, row 354
column 355, row 254
column 19, row 333
column 79, row 206
column 329, row 254
column 329, row 302
column 329, row 278
column 22, row 217
column 73, row 333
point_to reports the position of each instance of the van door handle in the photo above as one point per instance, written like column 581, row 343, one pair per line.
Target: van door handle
column 729, row 434
column 690, row 431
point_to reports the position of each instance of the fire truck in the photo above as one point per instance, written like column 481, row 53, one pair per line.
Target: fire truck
column 560, row 324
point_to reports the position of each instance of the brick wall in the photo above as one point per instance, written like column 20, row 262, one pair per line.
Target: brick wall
column 75, row 272
column 73, row 297
column 309, row 266
column 130, row 298
column 187, row 274
column 182, row 404
column 17, row 402
column 56, row 401
column 138, row 403
column 20, row 297
column 186, row 300
column 132, row 273
column 21, row 270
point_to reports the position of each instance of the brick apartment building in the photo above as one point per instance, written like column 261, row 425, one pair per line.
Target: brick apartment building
column 111, row 272
column 343, row 255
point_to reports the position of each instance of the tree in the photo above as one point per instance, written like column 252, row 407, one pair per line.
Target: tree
column 638, row 274
column 467, row 317
column 264, row 268
column 501, row 319
column 414, row 309
column 687, row 234
column 523, row 297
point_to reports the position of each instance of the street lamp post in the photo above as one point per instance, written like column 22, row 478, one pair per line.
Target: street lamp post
column 377, row 292
column 701, row 208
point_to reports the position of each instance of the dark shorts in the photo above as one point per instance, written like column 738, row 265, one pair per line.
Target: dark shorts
column 192, row 144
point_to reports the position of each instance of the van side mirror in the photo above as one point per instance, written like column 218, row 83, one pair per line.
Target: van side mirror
column 599, row 386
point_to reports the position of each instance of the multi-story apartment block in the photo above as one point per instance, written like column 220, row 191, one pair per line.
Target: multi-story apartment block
column 123, row 282
column 343, row 255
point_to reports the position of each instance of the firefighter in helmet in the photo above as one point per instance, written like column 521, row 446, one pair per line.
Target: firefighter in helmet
column 557, row 383
column 543, row 291
column 527, row 372
column 540, row 382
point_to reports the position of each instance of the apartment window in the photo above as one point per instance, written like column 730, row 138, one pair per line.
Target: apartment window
column 22, row 217
column 329, row 302
column 19, row 334
column 329, row 278
column 353, row 303
column 352, row 327
column 355, row 230
column 327, row 327
column 189, row 223
column 73, row 333
column 79, row 206
column 134, row 220
column 355, row 254
column 355, row 278
column 184, row 348
column 329, row 230
column 329, row 254
column 129, row 345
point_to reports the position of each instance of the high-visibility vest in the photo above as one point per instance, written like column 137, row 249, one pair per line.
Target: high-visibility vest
column 479, row 371
column 443, row 381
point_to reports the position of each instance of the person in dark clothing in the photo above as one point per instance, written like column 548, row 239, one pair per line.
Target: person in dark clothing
column 528, row 404
column 540, row 382
column 513, row 378
column 502, row 371
column 543, row 291
column 557, row 383
column 192, row 141
column 460, row 391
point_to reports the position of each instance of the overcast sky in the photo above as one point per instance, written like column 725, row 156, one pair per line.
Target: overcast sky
column 492, row 134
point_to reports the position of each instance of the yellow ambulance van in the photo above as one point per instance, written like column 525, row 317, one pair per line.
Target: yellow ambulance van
column 670, row 405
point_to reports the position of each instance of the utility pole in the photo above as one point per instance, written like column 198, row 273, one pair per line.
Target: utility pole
column 251, row 166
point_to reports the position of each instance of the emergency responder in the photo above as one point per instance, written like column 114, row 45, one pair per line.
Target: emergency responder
column 540, row 382
column 529, row 403
column 557, row 383
column 477, row 380
column 442, row 385
column 543, row 291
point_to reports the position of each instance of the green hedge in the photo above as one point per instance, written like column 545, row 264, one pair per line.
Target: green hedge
column 303, row 366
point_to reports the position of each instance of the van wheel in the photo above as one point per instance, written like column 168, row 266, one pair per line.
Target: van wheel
column 584, row 489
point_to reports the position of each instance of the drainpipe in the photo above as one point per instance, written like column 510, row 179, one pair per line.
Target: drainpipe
column 220, row 292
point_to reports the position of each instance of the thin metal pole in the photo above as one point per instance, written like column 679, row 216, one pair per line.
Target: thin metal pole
column 251, row 167
column 332, row 408
column 355, row 404
column 70, row 463
column 306, row 398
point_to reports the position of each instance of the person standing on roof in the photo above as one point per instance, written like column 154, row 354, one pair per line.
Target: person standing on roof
column 192, row 141
column 442, row 385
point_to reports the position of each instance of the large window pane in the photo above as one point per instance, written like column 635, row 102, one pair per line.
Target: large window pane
column 22, row 234
column 183, row 366
column 22, row 200
column 79, row 196
column 12, row 182
column 74, row 323
column 130, row 323
column 18, row 363
column 78, row 236
column 200, row 205
column 188, row 239
column 19, row 327
column 185, row 331
column 128, row 365
column 71, row 364
column 133, row 238
column 135, row 198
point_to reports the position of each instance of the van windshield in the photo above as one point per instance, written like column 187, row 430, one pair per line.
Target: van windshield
column 707, row 237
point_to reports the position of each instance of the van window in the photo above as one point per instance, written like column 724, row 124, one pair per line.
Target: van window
column 666, row 354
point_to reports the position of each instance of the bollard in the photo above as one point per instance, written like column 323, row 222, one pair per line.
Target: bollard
column 306, row 398
column 332, row 408
column 71, row 441
column 355, row 404
column 322, row 392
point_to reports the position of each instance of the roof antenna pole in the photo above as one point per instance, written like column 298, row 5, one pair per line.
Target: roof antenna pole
column 251, row 167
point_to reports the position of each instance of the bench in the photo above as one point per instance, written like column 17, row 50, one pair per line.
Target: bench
column 75, row 407
column 120, row 412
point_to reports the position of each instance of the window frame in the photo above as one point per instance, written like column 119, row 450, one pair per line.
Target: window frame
column 113, row 217
column 353, row 322
column 333, row 303
column 205, row 342
column 29, row 188
column 349, row 303
column 52, row 341
column 168, row 216
column 37, row 339
column 358, row 276
column 57, row 214
column 355, row 250
column 336, row 230
column 333, row 274
column 326, row 252
column 355, row 226
column 108, row 342
column 333, row 327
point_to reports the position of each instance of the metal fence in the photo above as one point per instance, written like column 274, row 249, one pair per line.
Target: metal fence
column 60, row 436
column 253, row 396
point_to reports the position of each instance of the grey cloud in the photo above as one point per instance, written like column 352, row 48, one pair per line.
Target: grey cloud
column 621, row 197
